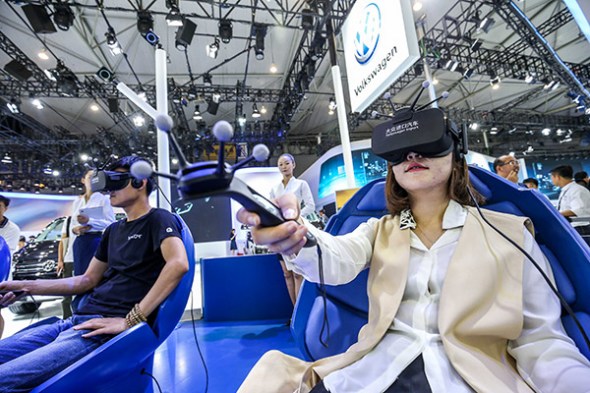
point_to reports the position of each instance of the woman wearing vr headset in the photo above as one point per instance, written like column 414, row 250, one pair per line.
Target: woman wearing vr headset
column 453, row 307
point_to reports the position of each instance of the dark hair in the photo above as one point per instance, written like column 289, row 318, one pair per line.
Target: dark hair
column 4, row 200
column 289, row 156
column 531, row 180
column 22, row 239
column 580, row 176
column 498, row 162
column 565, row 171
column 126, row 162
column 397, row 197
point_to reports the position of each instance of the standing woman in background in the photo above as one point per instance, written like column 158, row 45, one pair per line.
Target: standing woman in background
column 300, row 188
column 89, row 229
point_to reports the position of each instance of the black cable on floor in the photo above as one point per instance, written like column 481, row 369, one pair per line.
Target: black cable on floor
column 154, row 378
column 199, row 347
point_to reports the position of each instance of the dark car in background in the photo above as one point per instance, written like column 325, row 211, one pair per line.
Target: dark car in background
column 37, row 260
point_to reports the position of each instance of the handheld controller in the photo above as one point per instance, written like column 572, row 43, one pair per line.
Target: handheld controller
column 206, row 179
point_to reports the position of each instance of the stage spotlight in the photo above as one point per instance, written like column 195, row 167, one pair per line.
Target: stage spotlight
column 207, row 80
column 63, row 16
column 37, row 103
column 197, row 115
column 468, row 73
column 213, row 49
column 486, row 24
column 260, row 35
column 530, row 78
column 476, row 45
column 225, row 31
column 112, row 42
column 191, row 93
column 138, row 120
column 495, row 83
column 152, row 38
column 145, row 21
column 213, row 104
column 174, row 19
column 307, row 19
column 255, row 111
column 104, row 74
column 242, row 120
column 14, row 106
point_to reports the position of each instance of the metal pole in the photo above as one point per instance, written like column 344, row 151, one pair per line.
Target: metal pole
column 431, row 89
column 341, row 109
column 163, row 150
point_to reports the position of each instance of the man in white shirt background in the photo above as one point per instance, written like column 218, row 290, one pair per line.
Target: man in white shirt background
column 65, row 262
column 11, row 233
column 574, row 199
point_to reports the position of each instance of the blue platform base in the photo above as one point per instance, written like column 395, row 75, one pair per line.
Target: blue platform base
column 244, row 288
column 230, row 350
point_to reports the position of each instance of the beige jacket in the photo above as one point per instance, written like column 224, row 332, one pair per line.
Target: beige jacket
column 480, row 309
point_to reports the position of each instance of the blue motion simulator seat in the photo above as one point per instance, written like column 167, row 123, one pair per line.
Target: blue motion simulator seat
column 347, row 305
column 118, row 365
column 5, row 259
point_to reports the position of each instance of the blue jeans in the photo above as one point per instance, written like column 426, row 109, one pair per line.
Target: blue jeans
column 34, row 355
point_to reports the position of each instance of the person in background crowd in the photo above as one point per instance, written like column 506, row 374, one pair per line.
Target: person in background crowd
column 88, row 230
column 11, row 234
column 323, row 217
column 290, row 184
column 65, row 262
column 507, row 167
column 574, row 199
column 140, row 261
column 582, row 179
column 531, row 183
column 22, row 241
column 233, row 244
column 453, row 306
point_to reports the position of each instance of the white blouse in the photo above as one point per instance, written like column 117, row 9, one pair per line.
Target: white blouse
column 96, row 200
column 547, row 358
column 576, row 198
column 301, row 190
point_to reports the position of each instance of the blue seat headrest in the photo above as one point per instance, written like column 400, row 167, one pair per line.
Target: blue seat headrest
column 374, row 198
column 480, row 186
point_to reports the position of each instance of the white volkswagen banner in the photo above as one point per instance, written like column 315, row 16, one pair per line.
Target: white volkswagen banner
column 380, row 44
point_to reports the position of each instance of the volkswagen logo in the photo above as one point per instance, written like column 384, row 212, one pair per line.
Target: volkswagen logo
column 368, row 32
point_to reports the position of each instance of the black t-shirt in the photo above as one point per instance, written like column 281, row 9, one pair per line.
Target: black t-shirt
column 132, row 251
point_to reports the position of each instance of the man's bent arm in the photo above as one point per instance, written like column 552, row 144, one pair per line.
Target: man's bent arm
column 176, row 266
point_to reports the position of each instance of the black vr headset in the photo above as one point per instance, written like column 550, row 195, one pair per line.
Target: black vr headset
column 107, row 181
column 425, row 132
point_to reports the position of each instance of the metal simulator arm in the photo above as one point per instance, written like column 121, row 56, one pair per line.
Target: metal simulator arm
column 206, row 179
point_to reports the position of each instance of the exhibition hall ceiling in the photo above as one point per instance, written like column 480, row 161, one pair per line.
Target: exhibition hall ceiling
column 83, row 119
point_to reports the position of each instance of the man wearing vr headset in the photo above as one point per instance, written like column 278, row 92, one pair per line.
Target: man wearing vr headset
column 139, row 262
column 453, row 307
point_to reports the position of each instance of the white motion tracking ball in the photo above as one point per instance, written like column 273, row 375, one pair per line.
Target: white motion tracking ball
column 223, row 131
column 141, row 169
column 260, row 152
column 164, row 122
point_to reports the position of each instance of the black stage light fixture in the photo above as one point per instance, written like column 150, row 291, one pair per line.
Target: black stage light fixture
column 185, row 34
column 260, row 34
column 207, row 80
column 63, row 16
column 226, row 30
column 104, row 74
column 18, row 70
column 213, row 104
column 307, row 19
column 145, row 21
column 39, row 19
column 174, row 18
column 113, row 104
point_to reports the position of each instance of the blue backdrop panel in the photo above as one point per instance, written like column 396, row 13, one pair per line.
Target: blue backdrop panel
column 244, row 288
